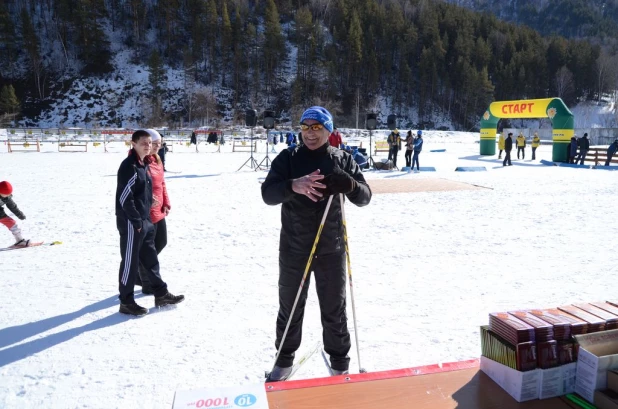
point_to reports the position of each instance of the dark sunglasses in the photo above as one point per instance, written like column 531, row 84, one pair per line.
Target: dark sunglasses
column 314, row 127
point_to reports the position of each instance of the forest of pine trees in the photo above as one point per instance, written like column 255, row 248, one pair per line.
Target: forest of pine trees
column 421, row 56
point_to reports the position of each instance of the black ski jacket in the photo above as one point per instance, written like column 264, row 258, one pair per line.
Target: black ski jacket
column 301, row 217
column 133, row 191
column 8, row 202
column 584, row 144
column 508, row 144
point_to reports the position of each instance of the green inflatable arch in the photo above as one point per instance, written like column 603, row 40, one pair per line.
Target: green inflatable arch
column 552, row 108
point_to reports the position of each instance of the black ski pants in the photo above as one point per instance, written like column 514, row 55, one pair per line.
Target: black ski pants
column 523, row 152
column 507, row 158
column 160, row 241
column 137, row 247
column 392, row 155
column 533, row 152
column 330, row 279
column 408, row 157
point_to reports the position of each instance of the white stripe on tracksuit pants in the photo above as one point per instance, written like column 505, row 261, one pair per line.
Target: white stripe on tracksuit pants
column 136, row 247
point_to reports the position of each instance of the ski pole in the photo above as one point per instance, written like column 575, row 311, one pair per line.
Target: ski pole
column 302, row 282
column 347, row 253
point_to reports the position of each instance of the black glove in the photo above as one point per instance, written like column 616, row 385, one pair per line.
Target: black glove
column 338, row 182
column 22, row 217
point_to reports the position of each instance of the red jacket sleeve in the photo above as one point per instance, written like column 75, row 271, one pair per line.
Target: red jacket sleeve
column 166, row 199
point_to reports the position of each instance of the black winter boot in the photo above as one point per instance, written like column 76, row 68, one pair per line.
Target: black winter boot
column 279, row 374
column 168, row 299
column 133, row 309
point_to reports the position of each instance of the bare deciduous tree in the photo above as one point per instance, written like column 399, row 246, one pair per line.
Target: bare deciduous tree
column 564, row 82
column 605, row 72
column 205, row 107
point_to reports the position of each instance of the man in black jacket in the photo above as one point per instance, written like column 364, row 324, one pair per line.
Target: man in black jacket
column 508, row 147
column 133, row 202
column 584, row 147
column 301, row 179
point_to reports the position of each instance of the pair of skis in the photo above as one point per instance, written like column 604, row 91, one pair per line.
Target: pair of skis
column 300, row 362
column 31, row 244
column 303, row 359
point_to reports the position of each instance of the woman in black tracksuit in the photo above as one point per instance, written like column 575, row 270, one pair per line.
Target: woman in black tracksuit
column 133, row 202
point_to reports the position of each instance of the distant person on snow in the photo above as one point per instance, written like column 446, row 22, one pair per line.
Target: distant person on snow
column 573, row 149
column 134, row 197
column 584, row 147
column 500, row 145
column 418, row 147
column 409, row 148
column 508, row 147
column 611, row 150
column 300, row 179
column 162, row 151
column 160, row 207
column 394, row 145
column 6, row 199
column 334, row 139
column 194, row 140
column 536, row 141
column 291, row 139
column 521, row 146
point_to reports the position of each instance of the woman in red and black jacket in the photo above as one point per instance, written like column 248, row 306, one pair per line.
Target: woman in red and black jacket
column 160, row 204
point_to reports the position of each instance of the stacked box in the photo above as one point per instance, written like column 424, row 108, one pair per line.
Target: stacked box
column 543, row 331
column 606, row 306
column 561, row 324
column 546, row 346
column 521, row 357
column 510, row 328
column 595, row 324
column 611, row 320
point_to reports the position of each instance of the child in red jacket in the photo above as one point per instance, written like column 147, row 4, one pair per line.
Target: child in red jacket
column 6, row 198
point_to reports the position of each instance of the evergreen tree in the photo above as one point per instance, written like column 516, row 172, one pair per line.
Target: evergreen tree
column 355, row 59
column 92, row 42
column 226, row 39
column 274, row 45
column 9, row 103
column 196, row 10
column 155, row 79
column 31, row 44
column 212, row 27
column 8, row 38
column 168, row 16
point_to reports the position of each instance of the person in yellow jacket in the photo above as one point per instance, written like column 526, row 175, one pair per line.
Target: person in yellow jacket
column 500, row 145
column 536, row 141
column 521, row 144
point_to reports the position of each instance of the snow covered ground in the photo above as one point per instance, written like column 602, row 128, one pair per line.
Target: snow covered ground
column 428, row 268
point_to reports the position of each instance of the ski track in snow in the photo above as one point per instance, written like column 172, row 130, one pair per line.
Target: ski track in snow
column 428, row 268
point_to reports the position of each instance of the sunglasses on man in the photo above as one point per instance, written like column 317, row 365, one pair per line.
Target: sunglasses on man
column 314, row 127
